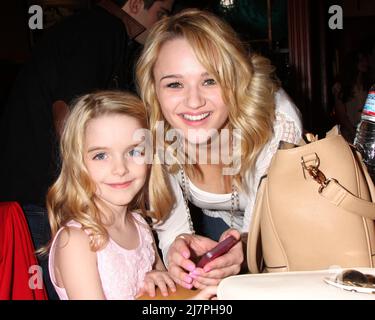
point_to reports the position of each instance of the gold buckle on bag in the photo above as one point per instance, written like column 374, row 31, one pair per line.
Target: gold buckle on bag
column 315, row 173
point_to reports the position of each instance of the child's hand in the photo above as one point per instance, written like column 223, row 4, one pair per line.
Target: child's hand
column 208, row 293
column 159, row 279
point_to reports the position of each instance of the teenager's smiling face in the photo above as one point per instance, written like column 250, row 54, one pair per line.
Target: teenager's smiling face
column 113, row 158
column 190, row 97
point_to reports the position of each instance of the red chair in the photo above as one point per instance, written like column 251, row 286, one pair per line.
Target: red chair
column 20, row 275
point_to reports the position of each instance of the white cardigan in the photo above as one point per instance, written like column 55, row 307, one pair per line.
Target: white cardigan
column 287, row 127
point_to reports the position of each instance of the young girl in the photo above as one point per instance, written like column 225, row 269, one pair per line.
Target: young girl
column 102, row 247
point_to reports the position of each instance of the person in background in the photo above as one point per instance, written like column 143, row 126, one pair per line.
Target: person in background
column 206, row 94
column 88, row 51
column 350, row 92
column 102, row 246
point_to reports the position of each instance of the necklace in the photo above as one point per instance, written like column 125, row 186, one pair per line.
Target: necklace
column 234, row 199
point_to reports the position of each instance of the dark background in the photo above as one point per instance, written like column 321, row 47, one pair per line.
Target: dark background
column 306, row 53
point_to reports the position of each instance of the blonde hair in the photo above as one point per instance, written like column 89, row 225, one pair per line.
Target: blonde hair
column 72, row 196
column 246, row 80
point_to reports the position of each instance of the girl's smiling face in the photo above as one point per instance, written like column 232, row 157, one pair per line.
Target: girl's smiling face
column 113, row 158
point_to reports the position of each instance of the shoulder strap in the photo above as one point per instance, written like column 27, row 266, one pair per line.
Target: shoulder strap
column 342, row 198
column 336, row 194
column 254, row 252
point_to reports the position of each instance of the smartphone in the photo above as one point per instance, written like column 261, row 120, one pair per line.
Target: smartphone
column 221, row 248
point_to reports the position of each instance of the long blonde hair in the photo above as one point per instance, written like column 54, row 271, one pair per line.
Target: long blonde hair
column 72, row 196
column 246, row 80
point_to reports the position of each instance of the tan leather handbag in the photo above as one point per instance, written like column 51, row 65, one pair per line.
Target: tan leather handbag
column 314, row 210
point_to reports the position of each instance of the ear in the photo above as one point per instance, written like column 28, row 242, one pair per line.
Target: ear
column 135, row 6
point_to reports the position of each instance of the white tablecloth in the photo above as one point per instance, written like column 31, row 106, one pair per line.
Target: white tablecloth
column 288, row 286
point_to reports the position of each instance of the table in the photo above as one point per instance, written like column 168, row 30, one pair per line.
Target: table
column 180, row 294
column 299, row 285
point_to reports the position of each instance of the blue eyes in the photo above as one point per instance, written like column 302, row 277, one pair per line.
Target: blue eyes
column 136, row 152
column 100, row 156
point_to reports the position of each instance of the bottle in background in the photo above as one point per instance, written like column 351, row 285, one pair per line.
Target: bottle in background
column 365, row 135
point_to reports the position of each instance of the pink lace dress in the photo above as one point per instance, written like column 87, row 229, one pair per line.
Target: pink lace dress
column 121, row 271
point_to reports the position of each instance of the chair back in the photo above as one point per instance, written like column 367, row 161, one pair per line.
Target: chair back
column 21, row 277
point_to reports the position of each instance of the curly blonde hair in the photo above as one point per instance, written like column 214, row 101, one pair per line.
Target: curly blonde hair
column 246, row 80
column 72, row 196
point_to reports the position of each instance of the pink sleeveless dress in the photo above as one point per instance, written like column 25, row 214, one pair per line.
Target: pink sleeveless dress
column 121, row 271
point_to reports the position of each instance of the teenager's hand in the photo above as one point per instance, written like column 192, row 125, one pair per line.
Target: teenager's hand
column 226, row 265
column 182, row 267
column 181, row 257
